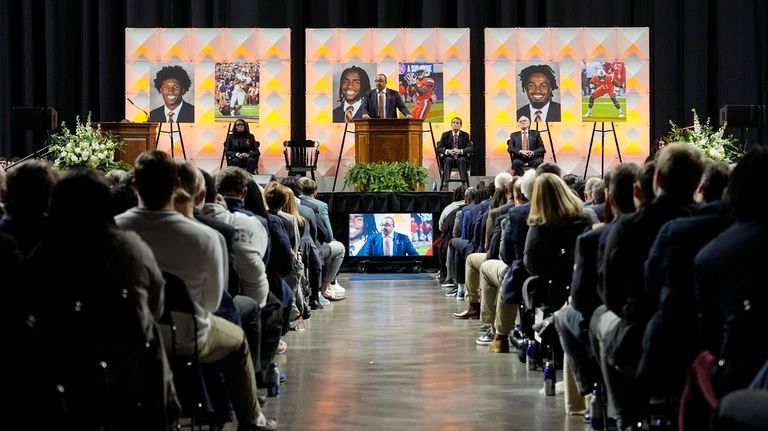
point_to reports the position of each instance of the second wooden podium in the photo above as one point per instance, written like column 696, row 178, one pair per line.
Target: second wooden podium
column 388, row 140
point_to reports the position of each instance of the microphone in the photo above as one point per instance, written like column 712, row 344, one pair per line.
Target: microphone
column 137, row 107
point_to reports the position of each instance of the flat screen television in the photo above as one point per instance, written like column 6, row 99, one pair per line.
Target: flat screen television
column 390, row 234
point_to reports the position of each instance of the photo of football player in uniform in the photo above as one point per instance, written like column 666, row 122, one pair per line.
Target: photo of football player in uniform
column 607, row 98
column 237, row 91
column 421, row 88
column 425, row 85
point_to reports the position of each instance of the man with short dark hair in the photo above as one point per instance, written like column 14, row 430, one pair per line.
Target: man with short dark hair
column 383, row 102
column 454, row 149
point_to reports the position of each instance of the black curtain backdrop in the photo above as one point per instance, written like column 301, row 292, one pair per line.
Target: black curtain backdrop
column 69, row 54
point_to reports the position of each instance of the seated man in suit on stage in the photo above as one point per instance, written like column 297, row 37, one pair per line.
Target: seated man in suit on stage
column 388, row 242
column 172, row 82
column 454, row 149
column 383, row 102
column 525, row 146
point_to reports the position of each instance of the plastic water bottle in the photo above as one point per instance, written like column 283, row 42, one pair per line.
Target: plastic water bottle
column 434, row 186
column 273, row 380
column 596, row 421
column 549, row 379
column 530, row 353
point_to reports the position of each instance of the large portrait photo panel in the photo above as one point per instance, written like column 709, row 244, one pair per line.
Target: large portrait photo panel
column 538, row 97
column 351, row 84
column 172, row 92
column 237, row 91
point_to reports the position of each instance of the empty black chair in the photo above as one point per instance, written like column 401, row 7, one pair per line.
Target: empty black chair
column 301, row 157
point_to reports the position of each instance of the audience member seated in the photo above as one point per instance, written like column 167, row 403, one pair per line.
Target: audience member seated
column 196, row 254
column 242, row 148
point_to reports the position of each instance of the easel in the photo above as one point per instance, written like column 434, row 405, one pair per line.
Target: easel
column 434, row 147
column 224, row 150
column 341, row 151
column 170, row 132
column 602, row 131
column 551, row 143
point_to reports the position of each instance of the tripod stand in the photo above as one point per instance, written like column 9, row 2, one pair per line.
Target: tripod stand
column 602, row 131
column 341, row 151
column 551, row 142
column 170, row 133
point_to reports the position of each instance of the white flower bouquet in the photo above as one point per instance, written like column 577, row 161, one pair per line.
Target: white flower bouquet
column 711, row 142
column 87, row 147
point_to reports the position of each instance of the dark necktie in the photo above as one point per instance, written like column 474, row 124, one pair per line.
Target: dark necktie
column 455, row 141
column 381, row 104
column 537, row 117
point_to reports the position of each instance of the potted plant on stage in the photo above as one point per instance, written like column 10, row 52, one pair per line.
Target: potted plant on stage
column 87, row 147
column 386, row 177
column 711, row 142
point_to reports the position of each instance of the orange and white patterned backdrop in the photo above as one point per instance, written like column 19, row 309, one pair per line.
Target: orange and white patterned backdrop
column 386, row 47
column 202, row 48
column 507, row 48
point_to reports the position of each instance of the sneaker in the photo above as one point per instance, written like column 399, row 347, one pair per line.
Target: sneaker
column 324, row 301
column 448, row 283
column 486, row 338
column 460, row 295
column 621, row 114
column 588, row 114
column 453, row 292
column 337, row 287
column 485, row 327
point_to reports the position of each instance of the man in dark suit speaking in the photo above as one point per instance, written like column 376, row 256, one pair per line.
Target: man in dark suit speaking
column 525, row 146
column 538, row 82
column 383, row 102
column 454, row 149
column 388, row 242
column 172, row 82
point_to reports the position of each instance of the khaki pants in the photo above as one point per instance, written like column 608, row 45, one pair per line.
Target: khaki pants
column 227, row 348
column 472, row 278
column 493, row 309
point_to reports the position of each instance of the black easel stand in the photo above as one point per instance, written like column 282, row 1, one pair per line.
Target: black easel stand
column 224, row 150
column 602, row 131
column 170, row 133
column 341, row 151
column 434, row 147
column 551, row 142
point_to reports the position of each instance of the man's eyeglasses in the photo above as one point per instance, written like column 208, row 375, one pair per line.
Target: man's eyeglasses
column 387, row 225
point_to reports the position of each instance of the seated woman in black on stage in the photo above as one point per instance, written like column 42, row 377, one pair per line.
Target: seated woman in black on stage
column 242, row 148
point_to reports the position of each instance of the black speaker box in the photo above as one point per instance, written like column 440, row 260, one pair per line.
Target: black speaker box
column 34, row 118
column 742, row 115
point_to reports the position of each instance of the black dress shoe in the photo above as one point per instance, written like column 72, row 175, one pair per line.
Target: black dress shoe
column 315, row 305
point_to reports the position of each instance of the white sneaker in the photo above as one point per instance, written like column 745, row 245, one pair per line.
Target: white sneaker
column 621, row 114
column 337, row 287
column 323, row 301
column 588, row 114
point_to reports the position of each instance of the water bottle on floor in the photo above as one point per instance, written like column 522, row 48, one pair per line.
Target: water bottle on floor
column 530, row 355
column 549, row 379
column 596, row 410
column 273, row 380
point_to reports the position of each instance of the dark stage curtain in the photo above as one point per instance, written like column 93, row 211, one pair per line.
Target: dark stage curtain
column 69, row 54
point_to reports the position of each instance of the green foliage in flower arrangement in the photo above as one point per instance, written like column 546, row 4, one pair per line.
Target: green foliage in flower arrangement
column 88, row 147
column 711, row 142
column 386, row 177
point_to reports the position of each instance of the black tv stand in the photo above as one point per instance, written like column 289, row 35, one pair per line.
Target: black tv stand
column 398, row 266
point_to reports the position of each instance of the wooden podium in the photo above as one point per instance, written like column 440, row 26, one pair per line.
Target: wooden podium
column 138, row 137
column 388, row 140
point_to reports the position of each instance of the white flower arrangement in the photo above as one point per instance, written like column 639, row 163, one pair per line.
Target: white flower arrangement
column 87, row 147
column 711, row 142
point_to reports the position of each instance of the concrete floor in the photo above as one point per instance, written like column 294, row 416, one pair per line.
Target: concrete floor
column 391, row 357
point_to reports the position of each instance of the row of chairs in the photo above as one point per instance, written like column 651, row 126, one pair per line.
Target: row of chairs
column 300, row 157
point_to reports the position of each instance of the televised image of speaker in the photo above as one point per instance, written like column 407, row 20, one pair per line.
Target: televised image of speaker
column 742, row 116
column 34, row 118
column 263, row 180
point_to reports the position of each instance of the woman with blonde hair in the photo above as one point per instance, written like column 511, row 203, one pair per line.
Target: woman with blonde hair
column 557, row 217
